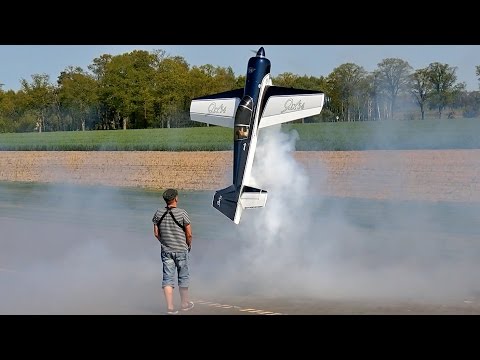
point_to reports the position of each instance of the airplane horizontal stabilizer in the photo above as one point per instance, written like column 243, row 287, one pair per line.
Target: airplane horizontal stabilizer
column 253, row 198
column 225, row 201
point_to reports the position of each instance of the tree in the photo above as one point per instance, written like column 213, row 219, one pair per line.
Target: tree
column 224, row 79
column 172, row 92
column 39, row 96
column 99, row 65
column 286, row 79
column 240, row 81
column 200, row 83
column 15, row 114
column 127, row 88
column 421, row 88
column 77, row 93
column 394, row 77
column 471, row 104
column 374, row 96
column 343, row 84
column 98, row 68
column 442, row 78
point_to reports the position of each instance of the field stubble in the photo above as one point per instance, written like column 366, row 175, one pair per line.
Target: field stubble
column 429, row 175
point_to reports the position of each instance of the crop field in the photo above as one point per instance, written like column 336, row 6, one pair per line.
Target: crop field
column 380, row 135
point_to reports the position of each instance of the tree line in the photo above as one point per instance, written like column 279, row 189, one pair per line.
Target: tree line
column 142, row 89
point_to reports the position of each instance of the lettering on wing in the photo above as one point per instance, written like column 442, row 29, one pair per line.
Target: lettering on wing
column 214, row 109
column 290, row 105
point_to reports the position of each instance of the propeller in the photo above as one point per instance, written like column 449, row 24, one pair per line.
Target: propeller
column 259, row 52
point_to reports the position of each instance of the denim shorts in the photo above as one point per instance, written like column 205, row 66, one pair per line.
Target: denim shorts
column 175, row 262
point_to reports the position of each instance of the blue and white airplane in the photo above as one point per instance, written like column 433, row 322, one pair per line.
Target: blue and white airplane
column 247, row 110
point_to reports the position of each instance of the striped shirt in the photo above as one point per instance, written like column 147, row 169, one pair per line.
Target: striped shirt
column 172, row 237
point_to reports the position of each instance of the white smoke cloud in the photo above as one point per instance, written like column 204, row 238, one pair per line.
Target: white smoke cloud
column 304, row 245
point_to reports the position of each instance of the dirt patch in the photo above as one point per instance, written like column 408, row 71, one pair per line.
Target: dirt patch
column 436, row 175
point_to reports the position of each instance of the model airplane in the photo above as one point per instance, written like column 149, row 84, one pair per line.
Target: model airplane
column 247, row 110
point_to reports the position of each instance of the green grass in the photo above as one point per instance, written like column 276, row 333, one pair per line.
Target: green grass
column 394, row 135
column 184, row 139
column 389, row 135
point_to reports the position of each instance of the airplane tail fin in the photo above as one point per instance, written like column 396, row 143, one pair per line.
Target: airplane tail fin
column 226, row 201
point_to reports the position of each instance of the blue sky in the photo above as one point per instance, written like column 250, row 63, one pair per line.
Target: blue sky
column 22, row 61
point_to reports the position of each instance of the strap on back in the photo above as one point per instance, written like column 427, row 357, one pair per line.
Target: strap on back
column 169, row 210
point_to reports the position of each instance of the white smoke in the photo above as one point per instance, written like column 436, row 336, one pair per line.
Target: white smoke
column 304, row 245
column 276, row 170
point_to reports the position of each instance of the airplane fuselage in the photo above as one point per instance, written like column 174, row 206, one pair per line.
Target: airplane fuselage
column 247, row 117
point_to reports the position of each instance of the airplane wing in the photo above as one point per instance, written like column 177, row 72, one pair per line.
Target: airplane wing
column 282, row 104
column 216, row 109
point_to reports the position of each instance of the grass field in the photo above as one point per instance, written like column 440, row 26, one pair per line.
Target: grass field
column 388, row 135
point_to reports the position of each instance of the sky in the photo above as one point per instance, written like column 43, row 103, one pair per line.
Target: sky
column 22, row 61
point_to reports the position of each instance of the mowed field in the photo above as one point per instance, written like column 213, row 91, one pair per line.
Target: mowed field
column 431, row 175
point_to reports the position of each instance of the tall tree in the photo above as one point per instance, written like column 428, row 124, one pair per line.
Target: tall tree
column 343, row 83
column 77, row 93
column 99, row 65
column 39, row 96
column 98, row 68
column 126, row 87
column 421, row 88
column 443, row 78
column 374, row 96
column 224, row 79
column 394, row 77
column 172, row 91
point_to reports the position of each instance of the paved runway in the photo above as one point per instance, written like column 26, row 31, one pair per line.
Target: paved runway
column 90, row 250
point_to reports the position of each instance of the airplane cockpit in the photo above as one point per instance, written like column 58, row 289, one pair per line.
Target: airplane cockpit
column 243, row 118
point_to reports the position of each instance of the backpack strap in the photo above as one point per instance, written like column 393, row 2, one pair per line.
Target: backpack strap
column 169, row 210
